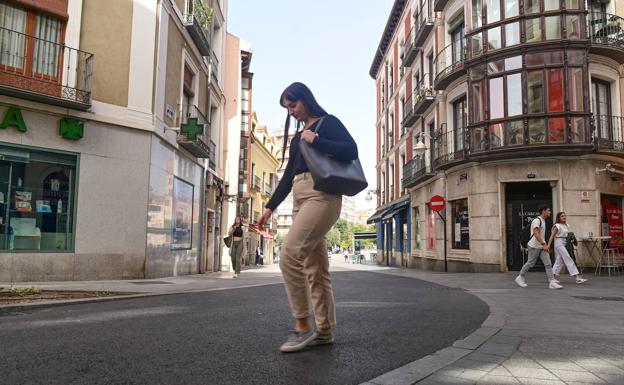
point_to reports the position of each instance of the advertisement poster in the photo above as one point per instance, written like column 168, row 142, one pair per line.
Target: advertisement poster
column 431, row 244
column 612, row 220
column 182, row 221
column 461, row 229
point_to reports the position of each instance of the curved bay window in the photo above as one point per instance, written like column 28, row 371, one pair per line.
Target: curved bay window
column 537, row 98
column 497, row 24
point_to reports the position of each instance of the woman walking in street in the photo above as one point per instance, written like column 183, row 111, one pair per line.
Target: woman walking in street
column 303, row 257
column 560, row 233
column 238, row 244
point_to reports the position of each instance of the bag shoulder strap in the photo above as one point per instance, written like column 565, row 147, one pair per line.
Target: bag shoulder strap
column 320, row 123
column 531, row 230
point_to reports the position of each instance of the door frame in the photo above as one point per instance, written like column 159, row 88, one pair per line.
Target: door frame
column 556, row 197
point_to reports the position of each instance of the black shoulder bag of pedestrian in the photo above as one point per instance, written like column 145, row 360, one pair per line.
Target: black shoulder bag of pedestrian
column 331, row 175
column 228, row 241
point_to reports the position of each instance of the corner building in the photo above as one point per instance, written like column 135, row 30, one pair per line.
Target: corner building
column 503, row 106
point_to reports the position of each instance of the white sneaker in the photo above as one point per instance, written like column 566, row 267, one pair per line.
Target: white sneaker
column 235, row 275
column 555, row 280
column 520, row 281
column 581, row 280
column 554, row 285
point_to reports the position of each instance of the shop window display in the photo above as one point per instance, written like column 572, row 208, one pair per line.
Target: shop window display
column 37, row 191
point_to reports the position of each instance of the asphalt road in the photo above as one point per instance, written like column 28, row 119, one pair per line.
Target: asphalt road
column 232, row 336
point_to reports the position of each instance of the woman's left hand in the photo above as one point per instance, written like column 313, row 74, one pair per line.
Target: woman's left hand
column 308, row 136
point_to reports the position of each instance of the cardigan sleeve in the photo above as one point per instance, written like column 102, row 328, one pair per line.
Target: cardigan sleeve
column 334, row 139
column 284, row 186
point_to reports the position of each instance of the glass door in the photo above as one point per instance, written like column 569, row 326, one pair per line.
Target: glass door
column 5, row 178
column 601, row 107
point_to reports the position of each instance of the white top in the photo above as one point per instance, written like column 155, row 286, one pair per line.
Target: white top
column 534, row 243
column 562, row 230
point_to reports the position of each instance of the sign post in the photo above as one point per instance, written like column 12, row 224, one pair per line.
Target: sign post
column 437, row 204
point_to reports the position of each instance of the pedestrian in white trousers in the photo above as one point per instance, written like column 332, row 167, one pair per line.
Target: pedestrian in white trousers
column 560, row 234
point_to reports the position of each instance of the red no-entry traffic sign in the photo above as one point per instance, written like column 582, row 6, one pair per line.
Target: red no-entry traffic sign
column 437, row 203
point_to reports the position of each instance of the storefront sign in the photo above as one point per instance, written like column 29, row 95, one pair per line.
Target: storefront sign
column 585, row 197
column 69, row 128
column 14, row 118
column 612, row 219
column 191, row 129
column 182, row 220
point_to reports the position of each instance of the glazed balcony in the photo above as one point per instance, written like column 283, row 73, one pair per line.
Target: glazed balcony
column 410, row 49
column 449, row 64
column 438, row 5
column 194, row 134
column 424, row 96
column 423, row 25
column 197, row 20
column 449, row 147
column 608, row 133
column 44, row 71
column 606, row 35
column 414, row 172
column 409, row 117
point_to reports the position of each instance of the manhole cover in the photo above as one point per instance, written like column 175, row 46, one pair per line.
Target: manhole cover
column 152, row 283
column 599, row 298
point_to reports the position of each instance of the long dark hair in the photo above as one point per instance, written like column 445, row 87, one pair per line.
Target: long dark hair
column 294, row 93
column 558, row 217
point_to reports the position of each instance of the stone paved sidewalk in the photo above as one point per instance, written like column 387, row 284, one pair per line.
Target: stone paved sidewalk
column 532, row 336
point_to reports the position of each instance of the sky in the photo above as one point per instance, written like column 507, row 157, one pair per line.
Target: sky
column 328, row 45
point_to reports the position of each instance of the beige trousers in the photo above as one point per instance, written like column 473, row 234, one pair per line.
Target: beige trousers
column 303, row 257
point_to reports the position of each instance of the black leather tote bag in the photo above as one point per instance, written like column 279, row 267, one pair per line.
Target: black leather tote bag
column 330, row 175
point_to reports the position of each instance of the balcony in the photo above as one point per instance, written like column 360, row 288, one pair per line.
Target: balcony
column 438, row 5
column 214, row 68
column 267, row 189
column 449, row 148
column 410, row 49
column 256, row 183
column 194, row 134
column 423, row 25
column 606, row 35
column 608, row 133
column 44, row 71
column 409, row 117
column 424, row 96
column 414, row 172
column 197, row 20
column 449, row 64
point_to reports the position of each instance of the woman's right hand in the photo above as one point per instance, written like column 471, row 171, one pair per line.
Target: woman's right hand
column 264, row 217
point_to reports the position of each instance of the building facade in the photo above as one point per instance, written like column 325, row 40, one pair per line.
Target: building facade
column 106, row 148
column 263, row 182
column 503, row 106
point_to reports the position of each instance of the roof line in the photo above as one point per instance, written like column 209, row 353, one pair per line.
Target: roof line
column 384, row 42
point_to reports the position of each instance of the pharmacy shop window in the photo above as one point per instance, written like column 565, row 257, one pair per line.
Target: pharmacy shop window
column 37, row 190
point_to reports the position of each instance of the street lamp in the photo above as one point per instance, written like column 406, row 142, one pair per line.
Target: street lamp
column 368, row 196
column 420, row 148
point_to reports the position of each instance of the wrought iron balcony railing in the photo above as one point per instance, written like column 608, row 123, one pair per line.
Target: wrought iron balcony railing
column 214, row 67
column 449, row 63
column 409, row 117
column 608, row 132
column 44, row 71
column 423, row 24
column 450, row 147
column 410, row 49
column 414, row 172
column 606, row 35
column 197, row 19
column 256, row 183
column 194, row 134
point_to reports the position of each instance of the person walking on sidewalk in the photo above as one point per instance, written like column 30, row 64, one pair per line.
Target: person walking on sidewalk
column 538, row 248
column 303, row 259
column 560, row 233
column 238, row 245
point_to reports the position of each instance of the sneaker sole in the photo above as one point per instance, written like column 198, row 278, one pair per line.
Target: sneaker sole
column 321, row 342
column 298, row 347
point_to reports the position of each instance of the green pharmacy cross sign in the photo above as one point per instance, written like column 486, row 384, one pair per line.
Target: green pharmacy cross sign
column 72, row 129
column 191, row 129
